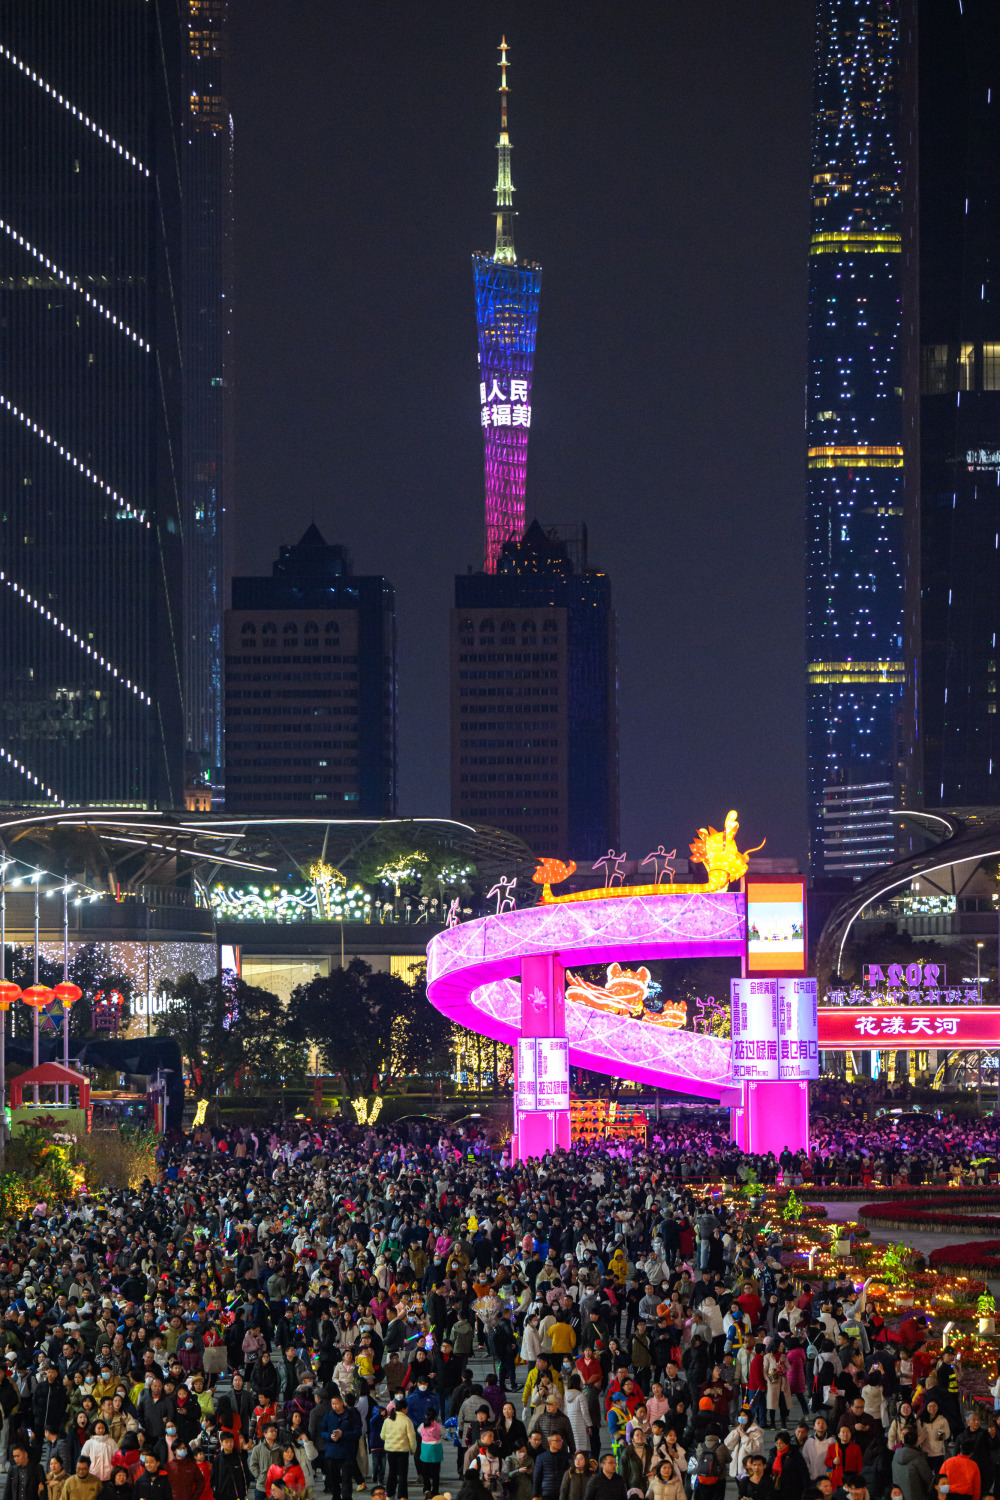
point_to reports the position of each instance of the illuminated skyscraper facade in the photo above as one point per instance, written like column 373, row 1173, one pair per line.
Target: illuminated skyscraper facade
column 207, row 163
column 854, row 432
column 507, row 321
column 953, row 318
column 91, row 395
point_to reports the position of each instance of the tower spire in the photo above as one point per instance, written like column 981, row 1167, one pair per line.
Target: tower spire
column 504, row 252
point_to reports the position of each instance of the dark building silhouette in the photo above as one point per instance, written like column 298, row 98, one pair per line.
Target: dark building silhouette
column 952, row 314
column 311, row 687
column 534, row 721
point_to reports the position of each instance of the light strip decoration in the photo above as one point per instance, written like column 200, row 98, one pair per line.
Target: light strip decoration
column 852, row 242
column 75, row 285
column 821, row 672
column 47, row 791
column 77, row 114
column 128, row 511
column 71, row 635
column 859, row 456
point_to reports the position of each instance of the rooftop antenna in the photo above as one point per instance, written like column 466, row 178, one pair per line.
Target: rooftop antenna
column 504, row 252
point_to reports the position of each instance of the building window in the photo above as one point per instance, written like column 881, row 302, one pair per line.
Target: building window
column 506, row 626
column 991, row 367
column 966, row 367
column 270, row 628
column 311, row 628
column 934, row 370
column 549, row 625
column 291, row 628
column 528, row 627
column 249, row 629
column 332, row 628
column 465, row 625
column 487, row 625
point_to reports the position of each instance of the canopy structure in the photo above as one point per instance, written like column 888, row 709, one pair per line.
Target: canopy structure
column 50, row 1073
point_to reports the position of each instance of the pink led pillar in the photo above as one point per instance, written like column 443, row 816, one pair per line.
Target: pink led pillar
column 774, row 1116
column 543, row 1014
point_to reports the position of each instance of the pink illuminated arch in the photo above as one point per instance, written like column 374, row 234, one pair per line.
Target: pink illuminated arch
column 473, row 973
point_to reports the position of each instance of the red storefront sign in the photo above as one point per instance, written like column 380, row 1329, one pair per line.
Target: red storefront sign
column 909, row 1028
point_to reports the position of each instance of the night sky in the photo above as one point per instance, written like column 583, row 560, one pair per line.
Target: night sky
column 661, row 162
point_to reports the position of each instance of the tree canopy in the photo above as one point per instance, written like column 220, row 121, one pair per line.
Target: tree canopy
column 223, row 1026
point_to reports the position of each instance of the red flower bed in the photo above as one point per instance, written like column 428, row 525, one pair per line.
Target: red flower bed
column 892, row 1214
column 977, row 1255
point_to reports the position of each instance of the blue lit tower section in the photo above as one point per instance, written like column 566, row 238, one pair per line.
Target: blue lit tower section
column 855, row 574
column 507, row 321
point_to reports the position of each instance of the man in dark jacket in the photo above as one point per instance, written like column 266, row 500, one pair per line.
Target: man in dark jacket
column 230, row 1472
column 152, row 1483
column 340, row 1432
column 49, row 1402
column 606, row 1484
column 789, row 1471
column 550, row 1466
column 25, row 1480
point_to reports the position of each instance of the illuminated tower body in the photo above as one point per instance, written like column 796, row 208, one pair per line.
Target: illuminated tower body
column 507, row 321
column 855, row 542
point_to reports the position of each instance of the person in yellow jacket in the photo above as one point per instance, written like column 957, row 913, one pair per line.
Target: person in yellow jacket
column 400, row 1441
column 542, row 1367
column 618, row 1266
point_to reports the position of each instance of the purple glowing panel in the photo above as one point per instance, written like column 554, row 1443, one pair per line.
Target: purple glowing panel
column 471, row 969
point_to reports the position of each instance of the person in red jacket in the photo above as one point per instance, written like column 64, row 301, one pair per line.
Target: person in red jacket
column 843, row 1457
column 750, row 1303
column 757, row 1386
column 962, row 1475
column 912, row 1332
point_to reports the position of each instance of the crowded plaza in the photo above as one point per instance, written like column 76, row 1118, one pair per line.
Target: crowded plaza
column 300, row 1310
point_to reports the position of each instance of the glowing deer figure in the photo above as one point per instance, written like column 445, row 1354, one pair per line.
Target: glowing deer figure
column 720, row 856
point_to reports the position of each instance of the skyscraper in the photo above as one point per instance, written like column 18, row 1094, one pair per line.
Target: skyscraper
column 301, row 741
column 854, row 436
column 91, row 514
column 952, row 308
column 207, row 162
column 534, row 721
column 507, row 320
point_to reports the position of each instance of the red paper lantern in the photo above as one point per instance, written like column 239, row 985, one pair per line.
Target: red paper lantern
column 69, row 994
column 9, row 992
column 37, row 995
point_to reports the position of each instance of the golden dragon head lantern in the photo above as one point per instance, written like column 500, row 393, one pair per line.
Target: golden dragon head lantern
column 717, row 851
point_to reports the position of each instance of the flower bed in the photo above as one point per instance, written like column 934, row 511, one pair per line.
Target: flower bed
column 813, row 1190
column 925, row 1211
column 979, row 1255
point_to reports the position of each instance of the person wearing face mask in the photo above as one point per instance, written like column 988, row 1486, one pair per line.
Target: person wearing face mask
column 746, row 1438
column 187, row 1482
column 189, row 1356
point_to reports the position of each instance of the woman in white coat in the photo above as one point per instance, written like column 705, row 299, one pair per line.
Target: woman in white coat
column 576, row 1408
column 531, row 1340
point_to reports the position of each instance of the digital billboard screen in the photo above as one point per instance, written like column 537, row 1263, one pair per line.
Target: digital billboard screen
column 776, row 926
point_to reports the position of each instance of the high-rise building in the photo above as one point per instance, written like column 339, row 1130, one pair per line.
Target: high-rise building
column 534, row 722
column 952, row 308
column 206, row 162
column 311, row 687
column 854, row 438
column 507, row 320
column 117, row 305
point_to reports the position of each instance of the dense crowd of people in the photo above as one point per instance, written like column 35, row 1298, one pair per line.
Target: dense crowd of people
column 306, row 1309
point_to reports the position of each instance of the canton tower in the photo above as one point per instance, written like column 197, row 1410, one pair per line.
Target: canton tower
column 506, row 320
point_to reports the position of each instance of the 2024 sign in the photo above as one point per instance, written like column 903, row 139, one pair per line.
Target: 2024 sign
column 908, row 976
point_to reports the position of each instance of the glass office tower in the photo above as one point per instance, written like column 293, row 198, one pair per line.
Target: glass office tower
column 91, row 525
column 955, row 401
column 854, row 438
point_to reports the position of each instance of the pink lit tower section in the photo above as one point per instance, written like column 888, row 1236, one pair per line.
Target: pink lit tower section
column 507, row 321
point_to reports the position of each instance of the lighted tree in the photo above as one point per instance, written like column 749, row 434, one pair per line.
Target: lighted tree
column 223, row 1026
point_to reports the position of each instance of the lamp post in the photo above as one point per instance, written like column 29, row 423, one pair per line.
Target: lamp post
column 979, row 991
column 3, row 1010
column 34, row 1033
